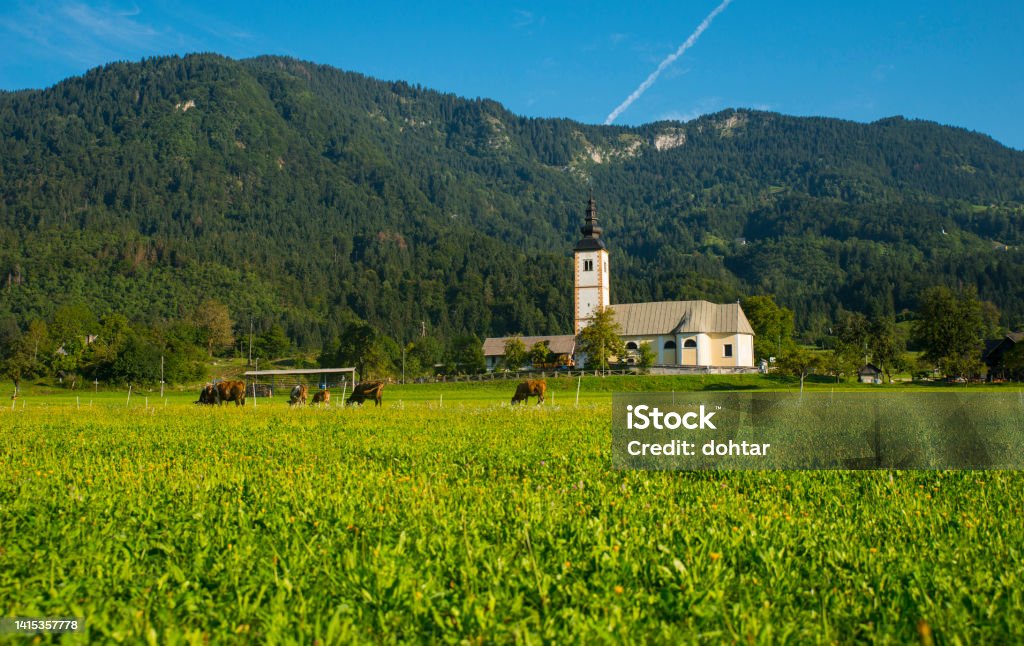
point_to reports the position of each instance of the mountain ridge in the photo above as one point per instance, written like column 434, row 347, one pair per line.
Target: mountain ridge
column 330, row 195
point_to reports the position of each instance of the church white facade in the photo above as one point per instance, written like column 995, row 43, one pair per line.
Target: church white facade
column 683, row 334
column 694, row 334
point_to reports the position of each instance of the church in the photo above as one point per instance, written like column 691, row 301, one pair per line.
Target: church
column 685, row 335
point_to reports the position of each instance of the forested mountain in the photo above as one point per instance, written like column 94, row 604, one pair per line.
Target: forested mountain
column 308, row 196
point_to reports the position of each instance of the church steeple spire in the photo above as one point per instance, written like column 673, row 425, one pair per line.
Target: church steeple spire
column 591, row 230
column 591, row 270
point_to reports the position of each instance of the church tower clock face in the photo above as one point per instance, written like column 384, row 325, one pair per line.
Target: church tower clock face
column 591, row 271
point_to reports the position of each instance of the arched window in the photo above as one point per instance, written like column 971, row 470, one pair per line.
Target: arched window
column 670, row 345
column 690, row 343
column 631, row 346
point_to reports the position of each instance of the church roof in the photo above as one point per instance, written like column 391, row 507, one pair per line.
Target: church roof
column 557, row 344
column 681, row 317
column 591, row 230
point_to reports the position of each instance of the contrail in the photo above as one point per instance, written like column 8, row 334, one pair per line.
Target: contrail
column 665, row 63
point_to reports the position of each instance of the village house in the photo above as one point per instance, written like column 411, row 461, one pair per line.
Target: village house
column 561, row 350
column 869, row 374
column 995, row 353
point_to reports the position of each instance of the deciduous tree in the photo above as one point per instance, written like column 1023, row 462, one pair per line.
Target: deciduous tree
column 601, row 339
column 772, row 324
column 467, row 354
column 645, row 357
column 800, row 362
column 539, row 353
column 950, row 327
column 886, row 347
column 213, row 322
column 515, row 353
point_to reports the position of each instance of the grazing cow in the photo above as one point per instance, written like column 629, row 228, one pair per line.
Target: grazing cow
column 298, row 396
column 370, row 390
column 208, row 395
column 231, row 391
column 322, row 397
column 531, row 388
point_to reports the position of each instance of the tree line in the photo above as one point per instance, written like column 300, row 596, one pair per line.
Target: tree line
column 75, row 347
column 947, row 331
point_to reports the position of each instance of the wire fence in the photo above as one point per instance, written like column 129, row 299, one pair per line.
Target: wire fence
column 555, row 374
column 525, row 374
column 278, row 387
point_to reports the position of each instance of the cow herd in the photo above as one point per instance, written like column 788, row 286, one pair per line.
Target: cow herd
column 227, row 391
column 300, row 393
column 234, row 391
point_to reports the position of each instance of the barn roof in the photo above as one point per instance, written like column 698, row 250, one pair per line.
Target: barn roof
column 995, row 348
column 681, row 317
column 557, row 344
column 297, row 371
column 869, row 369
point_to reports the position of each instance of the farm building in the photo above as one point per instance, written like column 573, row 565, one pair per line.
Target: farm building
column 264, row 382
column 995, row 356
column 561, row 349
column 869, row 374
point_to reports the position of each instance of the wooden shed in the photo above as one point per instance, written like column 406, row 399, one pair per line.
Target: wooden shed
column 869, row 374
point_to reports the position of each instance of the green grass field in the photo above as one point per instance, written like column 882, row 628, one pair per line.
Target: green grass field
column 472, row 521
column 561, row 389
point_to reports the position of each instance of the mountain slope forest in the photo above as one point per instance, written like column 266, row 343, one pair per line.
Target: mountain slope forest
column 309, row 197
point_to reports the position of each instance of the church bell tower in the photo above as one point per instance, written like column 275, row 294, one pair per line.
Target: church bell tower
column 591, row 270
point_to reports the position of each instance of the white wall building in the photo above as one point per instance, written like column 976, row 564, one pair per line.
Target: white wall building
column 590, row 290
column 683, row 334
column 695, row 334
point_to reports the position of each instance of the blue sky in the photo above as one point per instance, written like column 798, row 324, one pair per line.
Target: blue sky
column 958, row 62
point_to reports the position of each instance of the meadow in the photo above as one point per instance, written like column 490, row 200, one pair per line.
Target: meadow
column 470, row 521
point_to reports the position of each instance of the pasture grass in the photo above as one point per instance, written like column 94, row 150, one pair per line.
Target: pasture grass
column 475, row 522
column 591, row 389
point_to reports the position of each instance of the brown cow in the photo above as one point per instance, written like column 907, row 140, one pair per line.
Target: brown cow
column 231, row 391
column 298, row 396
column 322, row 397
column 208, row 395
column 528, row 389
column 370, row 390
